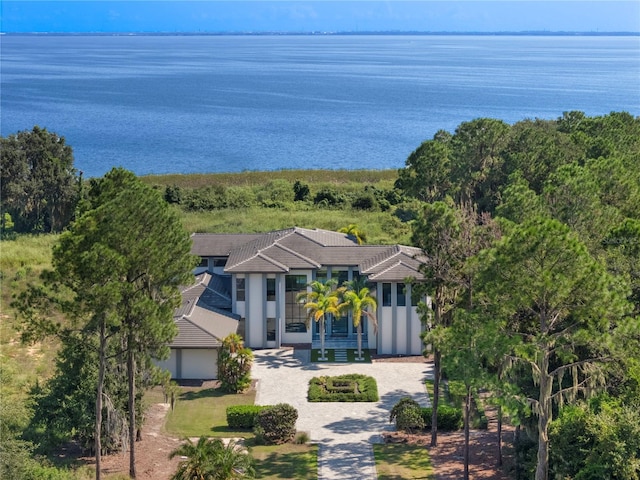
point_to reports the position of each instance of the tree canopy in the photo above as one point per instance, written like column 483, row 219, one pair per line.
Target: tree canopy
column 40, row 185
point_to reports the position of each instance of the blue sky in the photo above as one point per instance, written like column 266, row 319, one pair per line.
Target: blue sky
column 319, row 15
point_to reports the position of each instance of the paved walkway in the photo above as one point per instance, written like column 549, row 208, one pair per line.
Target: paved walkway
column 344, row 431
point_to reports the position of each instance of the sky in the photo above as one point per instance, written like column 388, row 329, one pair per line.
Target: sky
column 21, row 16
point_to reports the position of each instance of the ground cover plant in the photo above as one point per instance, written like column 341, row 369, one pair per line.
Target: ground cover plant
column 343, row 388
column 405, row 462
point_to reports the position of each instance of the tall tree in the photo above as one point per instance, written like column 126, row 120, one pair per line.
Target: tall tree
column 560, row 306
column 358, row 301
column 437, row 232
column 123, row 261
column 320, row 301
column 427, row 172
column 39, row 181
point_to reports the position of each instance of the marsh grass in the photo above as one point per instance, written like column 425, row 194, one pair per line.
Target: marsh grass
column 253, row 178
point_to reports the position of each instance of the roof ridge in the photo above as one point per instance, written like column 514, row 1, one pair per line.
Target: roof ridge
column 391, row 266
column 383, row 257
column 297, row 254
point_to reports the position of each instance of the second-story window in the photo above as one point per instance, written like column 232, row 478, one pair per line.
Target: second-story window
column 401, row 297
column 271, row 289
column 240, row 289
column 386, row 294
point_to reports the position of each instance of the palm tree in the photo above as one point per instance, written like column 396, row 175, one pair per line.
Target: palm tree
column 212, row 460
column 320, row 301
column 357, row 300
column 352, row 230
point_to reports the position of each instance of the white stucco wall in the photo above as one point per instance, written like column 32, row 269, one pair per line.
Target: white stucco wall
column 199, row 364
column 254, row 311
column 168, row 364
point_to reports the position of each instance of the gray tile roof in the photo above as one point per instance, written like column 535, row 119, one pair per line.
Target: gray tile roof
column 300, row 248
column 205, row 317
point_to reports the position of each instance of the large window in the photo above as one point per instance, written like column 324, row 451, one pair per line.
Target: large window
column 295, row 313
column 271, row 289
column 271, row 329
column 386, row 294
column 240, row 289
column 401, row 297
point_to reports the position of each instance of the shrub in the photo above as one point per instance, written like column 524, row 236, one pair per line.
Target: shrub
column 449, row 418
column 407, row 415
column 276, row 424
column 243, row 416
column 343, row 388
column 365, row 201
column 328, row 197
column 301, row 191
column 234, row 364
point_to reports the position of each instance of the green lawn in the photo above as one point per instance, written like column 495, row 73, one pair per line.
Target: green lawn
column 204, row 412
column 286, row 461
column 402, row 462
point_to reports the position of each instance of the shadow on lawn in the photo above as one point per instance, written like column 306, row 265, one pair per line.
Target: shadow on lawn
column 204, row 393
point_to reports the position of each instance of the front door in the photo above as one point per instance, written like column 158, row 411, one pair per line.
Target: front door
column 339, row 326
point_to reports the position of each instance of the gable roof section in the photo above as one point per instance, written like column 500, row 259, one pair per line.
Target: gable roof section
column 204, row 328
column 300, row 248
column 219, row 244
column 204, row 318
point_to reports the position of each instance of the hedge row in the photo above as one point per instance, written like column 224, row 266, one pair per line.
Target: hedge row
column 343, row 388
column 449, row 418
column 243, row 416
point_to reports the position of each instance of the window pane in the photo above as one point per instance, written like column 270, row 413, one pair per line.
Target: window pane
column 295, row 313
column 240, row 289
column 271, row 289
column 386, row 294
column 401, row 297
column 271, row 329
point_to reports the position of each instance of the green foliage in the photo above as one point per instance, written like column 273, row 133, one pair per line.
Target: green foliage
column 243, row 416
column 301, row 191
column 234, row 364
column 39, row 181
column 449, row 418
column 596, row 440
column 351, row 387
column 328, row 197
column 276, row 424
column 407, row 415
column 212, row 459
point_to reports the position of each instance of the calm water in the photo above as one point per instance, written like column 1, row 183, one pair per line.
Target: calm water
column 219, row 104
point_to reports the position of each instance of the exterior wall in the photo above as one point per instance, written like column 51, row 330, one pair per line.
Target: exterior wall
column 399, row 326
column 199, row 364
column 255, row 311
column 192, row 364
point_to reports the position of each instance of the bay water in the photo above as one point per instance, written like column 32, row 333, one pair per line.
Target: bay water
column 197, row 104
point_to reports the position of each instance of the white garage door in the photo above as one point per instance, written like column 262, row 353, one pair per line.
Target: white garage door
column 201, row 364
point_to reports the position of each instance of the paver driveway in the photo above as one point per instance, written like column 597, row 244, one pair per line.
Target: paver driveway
column 344, row 431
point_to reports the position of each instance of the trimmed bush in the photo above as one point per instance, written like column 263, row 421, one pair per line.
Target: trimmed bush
column 343, row 388
column 243, row 416
column 275, row 424
column 407, row 414
column 449, row 418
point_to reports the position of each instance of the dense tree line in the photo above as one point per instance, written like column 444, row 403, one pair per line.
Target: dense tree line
column 40, row 186
column 532, row 238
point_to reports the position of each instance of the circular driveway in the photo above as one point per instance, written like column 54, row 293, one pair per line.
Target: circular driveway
column 344, row 431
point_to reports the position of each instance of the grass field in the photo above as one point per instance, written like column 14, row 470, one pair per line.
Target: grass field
column 204, row 412
column 402, row 462
column 286, row 461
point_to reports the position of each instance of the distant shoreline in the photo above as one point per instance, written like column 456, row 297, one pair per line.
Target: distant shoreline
column 347, row 33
